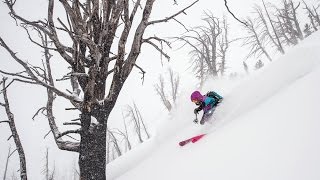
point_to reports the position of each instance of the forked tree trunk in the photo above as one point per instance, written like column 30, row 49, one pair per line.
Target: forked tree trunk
column 93, row 25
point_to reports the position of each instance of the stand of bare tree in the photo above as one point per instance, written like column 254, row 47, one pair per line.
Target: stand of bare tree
column 276, row 28
column 115, row 137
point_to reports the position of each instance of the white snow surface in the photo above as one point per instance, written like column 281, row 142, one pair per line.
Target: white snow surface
column 268, row 127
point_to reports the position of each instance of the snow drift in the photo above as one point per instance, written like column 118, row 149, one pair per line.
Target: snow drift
column 266, row 128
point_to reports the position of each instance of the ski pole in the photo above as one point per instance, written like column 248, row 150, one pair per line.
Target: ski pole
column 196, row 120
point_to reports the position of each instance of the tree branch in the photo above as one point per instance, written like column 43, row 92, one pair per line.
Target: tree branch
column 158, row 48
column 36, row 114
column 172, row 16
column 34, row 42
column 72, row 123
column 37, row 24
column 76, row 131
column 225, row 3
column 47, row 134
column 33, row 76
column 12, row 152
column 4, row 121
column 16, row 74
column 9, row 137
column 142, row 72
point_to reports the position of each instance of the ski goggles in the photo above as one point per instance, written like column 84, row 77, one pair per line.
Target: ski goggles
column 196, row 102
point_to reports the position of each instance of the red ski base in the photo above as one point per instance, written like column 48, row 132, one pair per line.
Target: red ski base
column 193, row 140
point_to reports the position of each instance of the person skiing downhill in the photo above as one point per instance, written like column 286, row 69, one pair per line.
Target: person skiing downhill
column 207, row 103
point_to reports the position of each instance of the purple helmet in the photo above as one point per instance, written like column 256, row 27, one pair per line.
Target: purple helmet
column 196, row 96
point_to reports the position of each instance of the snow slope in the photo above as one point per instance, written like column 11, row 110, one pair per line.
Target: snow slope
column 267, row 128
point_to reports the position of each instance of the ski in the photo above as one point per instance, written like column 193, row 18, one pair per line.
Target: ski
column 193, row 140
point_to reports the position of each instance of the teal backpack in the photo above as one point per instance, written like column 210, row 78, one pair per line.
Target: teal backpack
column 214, row 95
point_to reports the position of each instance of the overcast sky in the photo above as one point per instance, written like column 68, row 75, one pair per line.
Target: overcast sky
column 26, row 99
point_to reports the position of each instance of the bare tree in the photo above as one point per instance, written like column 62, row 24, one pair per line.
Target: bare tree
column 245, row 66
column 115, row 137
column 210, row 35
column 138, row 114
column 115, row 143
column 283, row 28
column 307, row 30
column 198, row 63
column 295, row 19
column 134, row 116
column 313, row 16
column 253, row 40
column 174, row 83
column 7, row 162
column 161, row 92
column 14, row 135
column 204, row 44
column 76, row 173
column 209, row 45
column 168, row 100
column 13, row 176
column 266, row 32
column 125, row 134
column 289, row 23
column 223, row 46
column 115, row 149
column 95, row 55
column 49, row 174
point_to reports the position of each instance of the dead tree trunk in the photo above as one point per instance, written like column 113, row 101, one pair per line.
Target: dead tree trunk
column 174, row 83
column 92, row 155
column 278, row 44
column 313, row 16
column 283, row 33
column 160, row 89
column 46, row 170
column 295, row 20
column 7, row 162
column 14, row 135
column 253, row 40
column 290, row 21
column 95, row 55
column 223, row 47
column 115, row 143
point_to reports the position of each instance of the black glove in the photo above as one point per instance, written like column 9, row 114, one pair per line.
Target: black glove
column 196, row 111
column 195, row 121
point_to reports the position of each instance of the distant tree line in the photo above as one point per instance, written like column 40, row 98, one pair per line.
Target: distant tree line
column 271, row 29
column 275, row 27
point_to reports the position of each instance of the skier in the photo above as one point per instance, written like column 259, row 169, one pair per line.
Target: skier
column 207, row 103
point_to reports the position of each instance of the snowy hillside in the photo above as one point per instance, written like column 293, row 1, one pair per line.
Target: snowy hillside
column 268, row 127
